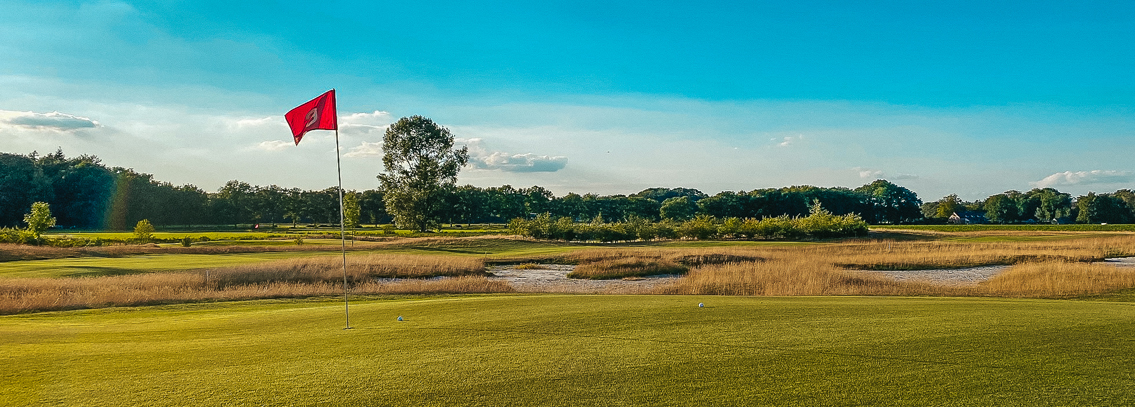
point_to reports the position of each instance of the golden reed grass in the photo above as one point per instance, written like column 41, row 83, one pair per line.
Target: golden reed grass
column 1043, row 269
column 359, row 267
column 793, row 276
column 14, row 252
column 278, row 279
column 44, row 294
column 1058, row 280
column 622, row 268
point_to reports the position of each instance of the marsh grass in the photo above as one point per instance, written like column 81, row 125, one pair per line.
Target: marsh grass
column 277, row 279
column 1058, row 280
column 360, row 267
column 1041, row 269
column 625, row 268
column 793, row 277
column 638, row 262
column 16, row 252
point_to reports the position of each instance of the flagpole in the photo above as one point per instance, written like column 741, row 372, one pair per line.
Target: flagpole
column 342, row 226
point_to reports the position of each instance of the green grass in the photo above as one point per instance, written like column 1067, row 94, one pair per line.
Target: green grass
column 576, row 350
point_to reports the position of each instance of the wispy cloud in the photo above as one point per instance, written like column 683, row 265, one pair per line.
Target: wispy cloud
column 789, row 140
column 1068, row 178
column 527, row 162
column 372, row 124
column 54, row 121
column 867, row 173
column 481, row 158
column 365, row 149
column 273, row 145
column 258, row 122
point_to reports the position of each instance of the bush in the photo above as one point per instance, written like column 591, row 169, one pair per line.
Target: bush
column 144, row 231
column 820, row 224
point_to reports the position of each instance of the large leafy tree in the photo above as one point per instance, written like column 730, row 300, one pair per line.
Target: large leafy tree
column 21, row 184
column 1050, row 205
column 891, row 203
column 420, row 162
column 1104, row 208
column 1000, row 208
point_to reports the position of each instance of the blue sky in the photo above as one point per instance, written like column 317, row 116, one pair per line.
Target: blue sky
column 952, row 97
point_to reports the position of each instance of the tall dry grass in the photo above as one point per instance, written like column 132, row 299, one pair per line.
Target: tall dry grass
column 361, row 267
column 1058, row 280
column 46, row 294
column 1044, row 269
column 623, row 268
column 16, row 252
column 791, row 277
column 278, row 279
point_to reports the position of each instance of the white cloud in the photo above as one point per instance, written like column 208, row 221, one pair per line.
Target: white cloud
column 789, row 140
column 365, row 150
column 366, row 124
column 55, row 121
column 519, row 162
column 264, row 121
column 481, row 158
column 867, row 173
column 1067, row 178
column 376, row 118
column 273, row 145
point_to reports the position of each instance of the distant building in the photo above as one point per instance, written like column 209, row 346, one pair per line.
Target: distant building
column 967, row 218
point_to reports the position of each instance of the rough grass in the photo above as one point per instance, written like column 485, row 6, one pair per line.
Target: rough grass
column 766, row 270
column 287, row 278
column 577, row 350
column 1058, row 280
column 623, row 268
column 1058, row 269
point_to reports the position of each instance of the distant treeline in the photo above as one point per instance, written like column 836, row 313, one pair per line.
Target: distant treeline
column 83, row 193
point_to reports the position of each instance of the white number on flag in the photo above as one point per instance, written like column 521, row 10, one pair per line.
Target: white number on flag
column 312, row 117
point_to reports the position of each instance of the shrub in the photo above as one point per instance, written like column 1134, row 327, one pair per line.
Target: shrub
column 144, row 231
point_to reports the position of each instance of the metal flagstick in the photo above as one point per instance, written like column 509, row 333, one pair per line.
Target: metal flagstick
column 342, row 225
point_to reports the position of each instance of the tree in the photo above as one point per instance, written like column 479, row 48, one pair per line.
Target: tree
column 21, row 184
column 678, row 208
column 420, row 160
column 891, row 203
column 144, row 231
column 1103, row 208
column 948, row 205
column 1051, row 205
column 1000, row 208
column 39, row 219
column 351, row 210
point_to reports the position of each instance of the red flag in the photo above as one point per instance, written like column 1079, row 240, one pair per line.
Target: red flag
column 316, row 114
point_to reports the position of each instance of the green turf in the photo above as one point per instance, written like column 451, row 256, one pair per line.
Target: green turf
column 577, row 350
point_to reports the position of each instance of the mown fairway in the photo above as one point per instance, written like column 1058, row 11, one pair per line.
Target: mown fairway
column 577, row 350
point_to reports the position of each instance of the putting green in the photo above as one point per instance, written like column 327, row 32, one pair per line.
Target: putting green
column 577, row 350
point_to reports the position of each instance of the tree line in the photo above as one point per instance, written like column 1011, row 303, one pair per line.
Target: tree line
column 1039, row 205
column 84, row 193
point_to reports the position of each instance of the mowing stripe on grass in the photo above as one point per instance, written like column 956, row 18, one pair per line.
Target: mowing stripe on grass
column 577, row 350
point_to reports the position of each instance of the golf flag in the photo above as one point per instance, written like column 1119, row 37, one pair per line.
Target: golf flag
column 316, row 114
